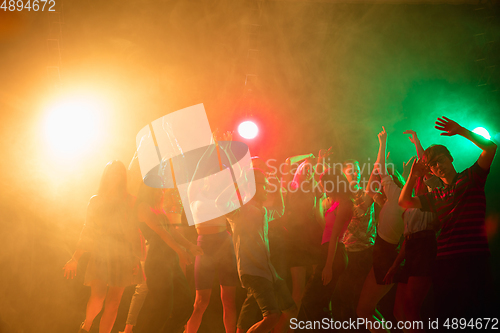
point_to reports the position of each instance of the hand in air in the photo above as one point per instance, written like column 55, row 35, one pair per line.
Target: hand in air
column 324, row 153
column 382, row 136
column 407, row 166
column 419, row 169
column 413, row 138
column 70, row 269
column 447, row 126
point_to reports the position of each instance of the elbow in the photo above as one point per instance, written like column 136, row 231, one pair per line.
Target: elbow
column 403, row 203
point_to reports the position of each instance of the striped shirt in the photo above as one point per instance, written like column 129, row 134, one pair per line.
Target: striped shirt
column 461, row 211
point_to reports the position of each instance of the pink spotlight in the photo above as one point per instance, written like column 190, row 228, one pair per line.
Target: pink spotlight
column 248, row 130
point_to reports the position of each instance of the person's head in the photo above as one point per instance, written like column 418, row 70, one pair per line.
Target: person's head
column 114, row 179
column 334, row 183
column 351, row 171
column 439, row 160
column 261, row 184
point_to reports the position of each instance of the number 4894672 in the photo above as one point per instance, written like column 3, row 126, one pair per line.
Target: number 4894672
column 29, row 5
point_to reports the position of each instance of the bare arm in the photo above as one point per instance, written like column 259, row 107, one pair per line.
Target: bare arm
column 450, row 128
column 180, row 239
column 378, row 169
column 344, row 214
column 84, row 242
column 152, row 220
column 380, row 163
column 406, row 199
column 416, row 141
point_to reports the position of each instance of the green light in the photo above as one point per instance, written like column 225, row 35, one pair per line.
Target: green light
column 482, row 131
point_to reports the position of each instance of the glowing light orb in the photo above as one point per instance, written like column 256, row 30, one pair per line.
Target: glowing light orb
column 73, row 126
column 482, row 131
column 248, row 130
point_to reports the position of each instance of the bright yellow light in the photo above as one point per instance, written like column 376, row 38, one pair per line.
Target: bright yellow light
column 73, row 126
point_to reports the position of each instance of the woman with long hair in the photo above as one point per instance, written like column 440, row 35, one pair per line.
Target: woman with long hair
column 112, row 237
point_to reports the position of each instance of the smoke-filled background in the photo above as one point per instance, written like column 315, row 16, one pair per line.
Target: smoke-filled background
column 310, row 74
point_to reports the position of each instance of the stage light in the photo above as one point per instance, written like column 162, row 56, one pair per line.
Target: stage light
column 482, row 131
column 248, row 130
column 73, row 126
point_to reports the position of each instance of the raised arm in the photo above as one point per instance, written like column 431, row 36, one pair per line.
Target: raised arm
column 406, row 199
column 450, row 128
column 378, row 169
column 416, row 141
column 380, row 163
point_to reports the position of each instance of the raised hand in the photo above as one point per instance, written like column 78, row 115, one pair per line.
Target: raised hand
column 419, row 169
column 382, row 136
column 324, row 153
column 407, row 166
column 448, row 126
column 413, row 138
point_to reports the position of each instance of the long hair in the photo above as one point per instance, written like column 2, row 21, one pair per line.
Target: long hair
column 113, row 168
column 334, row 179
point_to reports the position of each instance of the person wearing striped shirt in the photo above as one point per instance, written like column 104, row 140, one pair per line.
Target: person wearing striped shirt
column 462, row 278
